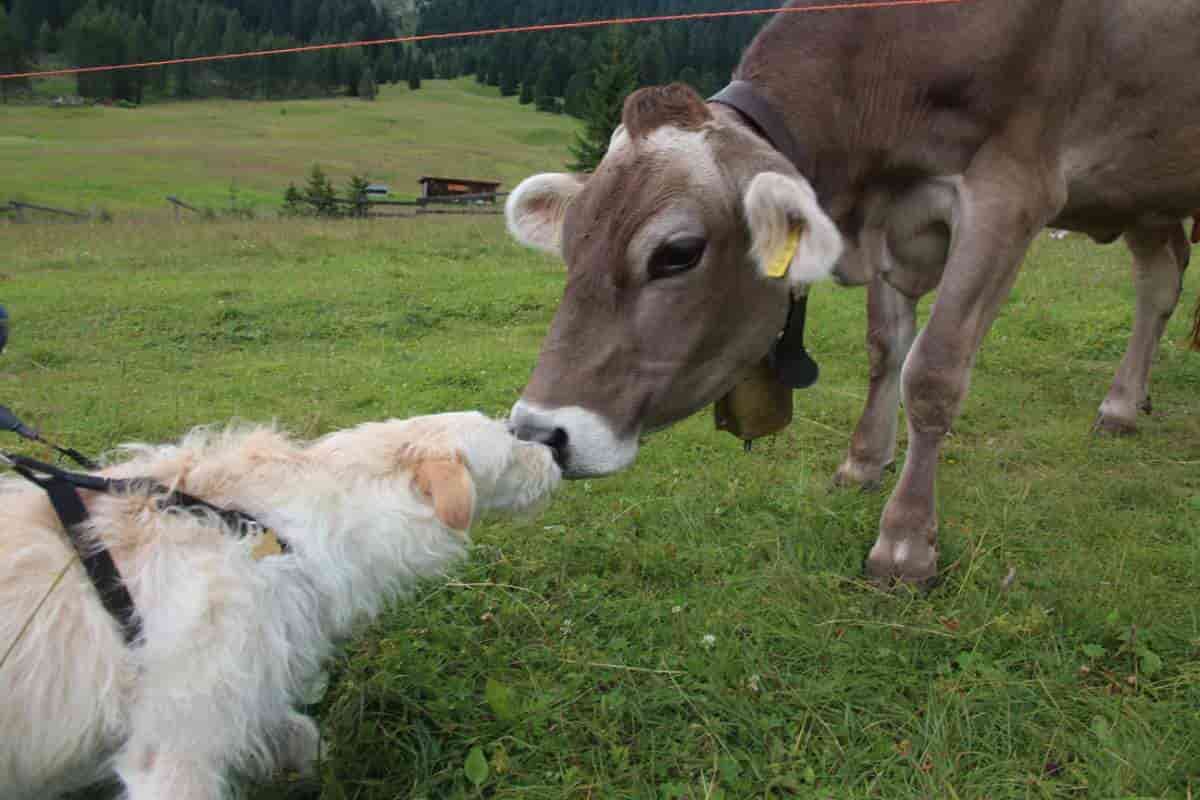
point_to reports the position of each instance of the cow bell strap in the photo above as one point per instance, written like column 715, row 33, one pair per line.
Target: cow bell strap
column 789, row 359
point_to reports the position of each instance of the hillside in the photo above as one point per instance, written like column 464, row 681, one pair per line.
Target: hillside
column 128, row 160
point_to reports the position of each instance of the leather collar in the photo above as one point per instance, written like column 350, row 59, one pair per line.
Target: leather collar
column 788, row 359
column 742, row 97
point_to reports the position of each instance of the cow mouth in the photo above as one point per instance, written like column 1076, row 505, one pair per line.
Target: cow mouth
column 584, row 444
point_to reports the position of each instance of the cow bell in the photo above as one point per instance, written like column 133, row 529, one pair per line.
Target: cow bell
column 758, row 406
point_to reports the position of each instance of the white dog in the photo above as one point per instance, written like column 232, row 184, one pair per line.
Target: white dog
column 228, row 636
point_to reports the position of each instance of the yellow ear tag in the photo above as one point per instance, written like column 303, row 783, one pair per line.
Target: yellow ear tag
column 268, row 545
column 779, row 266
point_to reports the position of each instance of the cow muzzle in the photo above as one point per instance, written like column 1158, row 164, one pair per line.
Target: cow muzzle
column 585, row 445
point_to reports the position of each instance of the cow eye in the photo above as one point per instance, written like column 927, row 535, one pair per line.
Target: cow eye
column 676, row 256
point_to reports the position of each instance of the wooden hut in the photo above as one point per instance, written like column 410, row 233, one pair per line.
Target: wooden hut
column 438, row 188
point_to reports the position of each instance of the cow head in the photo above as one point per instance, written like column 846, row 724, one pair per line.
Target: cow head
column 683, row 251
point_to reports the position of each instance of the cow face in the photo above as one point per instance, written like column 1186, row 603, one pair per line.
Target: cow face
column 682, row 252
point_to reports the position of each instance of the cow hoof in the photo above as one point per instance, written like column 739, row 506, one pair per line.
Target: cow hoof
column 1113, row 426
column 866, row 477
column 910, row 561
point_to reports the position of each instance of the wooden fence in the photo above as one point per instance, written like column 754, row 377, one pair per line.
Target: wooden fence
column 462, row 205
column 19, row 210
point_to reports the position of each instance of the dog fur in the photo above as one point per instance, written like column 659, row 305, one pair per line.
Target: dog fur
column 228, row 640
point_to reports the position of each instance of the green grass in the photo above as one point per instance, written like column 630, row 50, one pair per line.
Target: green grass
column 570, row 652
column 570, row 656
column 128, row 160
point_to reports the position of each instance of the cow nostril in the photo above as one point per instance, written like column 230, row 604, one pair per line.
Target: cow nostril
column 554, row 438
column 557, row 440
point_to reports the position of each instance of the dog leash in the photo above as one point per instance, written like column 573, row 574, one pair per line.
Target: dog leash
column 10, row 422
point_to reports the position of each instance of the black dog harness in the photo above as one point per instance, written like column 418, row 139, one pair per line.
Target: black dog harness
column 789, row 359
column 63, row 487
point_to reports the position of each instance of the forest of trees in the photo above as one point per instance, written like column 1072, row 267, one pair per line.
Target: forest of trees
column 564, row 65
column 98, row 32
column 585, row 73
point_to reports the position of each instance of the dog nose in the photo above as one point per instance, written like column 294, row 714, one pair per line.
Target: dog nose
column 554, row 438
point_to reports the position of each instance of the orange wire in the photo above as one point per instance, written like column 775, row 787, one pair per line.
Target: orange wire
column 557, row 26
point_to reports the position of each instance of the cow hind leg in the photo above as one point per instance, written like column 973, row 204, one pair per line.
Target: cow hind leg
column 891, row 328
column 1160, row 256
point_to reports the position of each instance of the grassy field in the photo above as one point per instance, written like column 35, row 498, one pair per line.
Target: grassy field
column 696, row 627
column 127, row 161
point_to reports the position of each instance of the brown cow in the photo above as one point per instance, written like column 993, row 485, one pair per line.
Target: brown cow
column 905, row 149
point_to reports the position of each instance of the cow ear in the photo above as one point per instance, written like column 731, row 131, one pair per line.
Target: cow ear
column 447, row 485
column 791, row 237
column 536, row 209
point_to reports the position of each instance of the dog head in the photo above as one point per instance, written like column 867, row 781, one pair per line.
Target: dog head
column 463, row 464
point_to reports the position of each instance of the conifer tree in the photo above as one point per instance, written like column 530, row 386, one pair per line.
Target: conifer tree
column 368, row 89
column 47, row 42
column 356, row 193
column 12, row 54
column 544, row 90
column 21, row 23
column 414, row 73
column 509, row 84
column 319, row 193
column 140, row 48
column 614, row 80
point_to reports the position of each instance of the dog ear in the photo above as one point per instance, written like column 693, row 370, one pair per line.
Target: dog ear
column 448, row 485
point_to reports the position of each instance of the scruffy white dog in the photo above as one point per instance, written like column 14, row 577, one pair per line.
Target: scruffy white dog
column 229, row 636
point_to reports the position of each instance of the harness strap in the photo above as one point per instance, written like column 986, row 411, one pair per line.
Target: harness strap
column 63, row 487
column 97, row 562
column 240, row 522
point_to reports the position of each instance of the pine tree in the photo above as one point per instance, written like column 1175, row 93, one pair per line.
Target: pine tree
column 47, row 42
column 526, row 96
column 12, row 54
column 356, row 193
column 353, row 67
column 183, row 72
column 544, row 90
column 576, row 93
column 235, row 71
column 414, row 73
column 140, row 48
column 319, row 193
column 691, row 77
column 385, row 68
column 614, row 81
column 367, row 88
column 21, row 23
column 509, row 83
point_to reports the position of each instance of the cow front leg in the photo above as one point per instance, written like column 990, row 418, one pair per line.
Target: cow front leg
column 1000, row 208
column 891, row 328
column 1160, row 256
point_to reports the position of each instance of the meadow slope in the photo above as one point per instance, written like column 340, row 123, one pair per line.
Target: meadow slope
column 128, row 160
